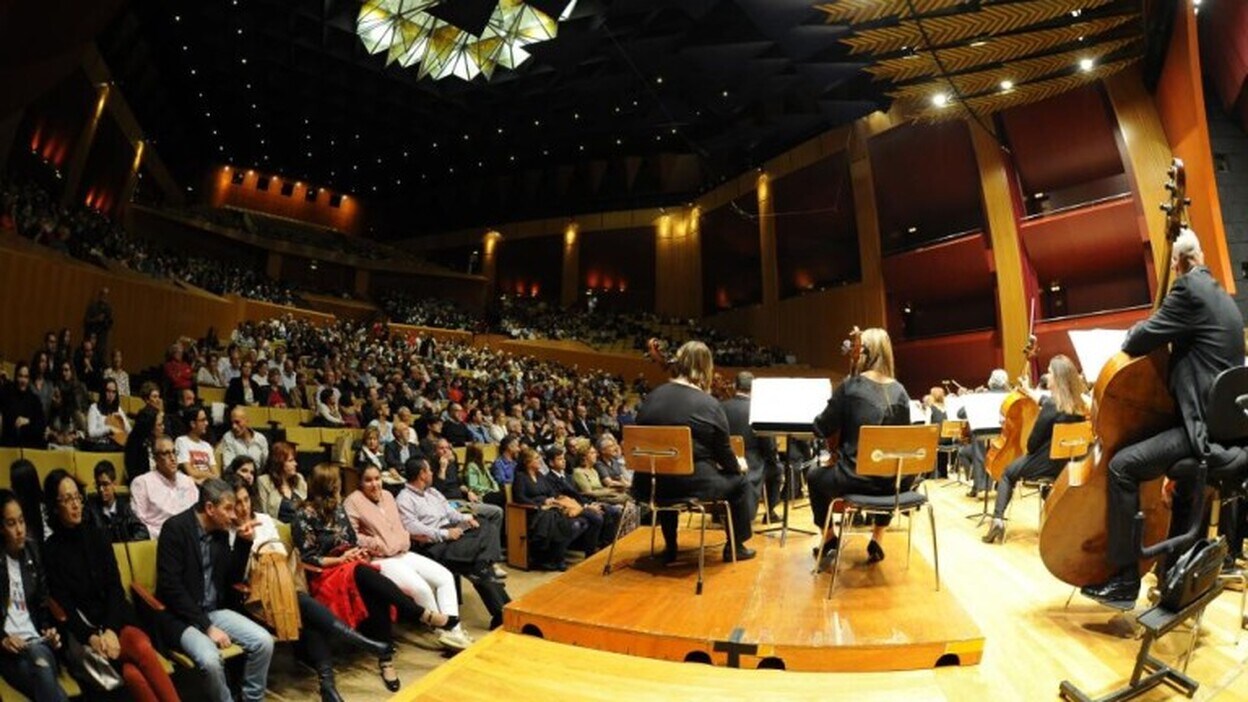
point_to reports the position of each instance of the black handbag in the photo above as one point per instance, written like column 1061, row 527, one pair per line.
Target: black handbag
column 1193, row 574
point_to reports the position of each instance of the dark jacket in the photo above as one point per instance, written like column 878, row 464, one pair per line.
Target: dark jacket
column 1205, row 331
column 392, row 454
column 14, row 404
column 34, row 585
column 179, row 569
column 760, row 451
column 84, row 578
column 456, row 433
column 234, row 393
column 123, row 526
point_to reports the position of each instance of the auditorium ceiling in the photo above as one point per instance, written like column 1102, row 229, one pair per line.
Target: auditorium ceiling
column 634, row 102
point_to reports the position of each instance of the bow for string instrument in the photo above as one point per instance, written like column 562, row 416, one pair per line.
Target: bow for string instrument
column 1131, row 401
column 1018, row 411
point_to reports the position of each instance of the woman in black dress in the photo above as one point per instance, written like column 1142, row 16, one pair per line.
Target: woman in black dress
column 872, row 397
column 717, row 475
column 1065, row 405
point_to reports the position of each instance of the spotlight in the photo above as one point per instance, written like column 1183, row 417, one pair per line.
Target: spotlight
column 940, row 99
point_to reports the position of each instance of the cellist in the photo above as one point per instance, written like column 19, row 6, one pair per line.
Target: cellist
column 1065, row 405
column 1205, row 329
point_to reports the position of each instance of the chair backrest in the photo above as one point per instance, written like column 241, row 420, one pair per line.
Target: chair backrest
column 1070, row 440
column 305, row 439
column 123, row 567
column 286, row 416
column 85, row 462
column 284, row 533
column 881, row 447
column 7, row 457
column 48, row 461
column 142, row 556
column 738, row 445
column 489, row 453
column 1227, row 412
column 658, row 450
column 208, row 394
column 131, row 404
column 952, row 428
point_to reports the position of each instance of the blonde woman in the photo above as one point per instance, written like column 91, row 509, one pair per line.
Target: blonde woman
column 1065, row 405
column 870, row 398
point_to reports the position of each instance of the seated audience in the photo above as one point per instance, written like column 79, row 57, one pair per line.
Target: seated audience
column 348, row 585
column 403, row 448
column 107, row 426
column 28, row 650
column 375, row 517
column 318, row 625
column 282, row 488
column 163, row 492
column 110, row 511
column 84, row 578
column 242, row 440
column 149, row 423
column 243, row 390
column 241, row 469
column 22, row 412
column 552, row 527
column 195, row 455
column 196, row 568
column 116, row 373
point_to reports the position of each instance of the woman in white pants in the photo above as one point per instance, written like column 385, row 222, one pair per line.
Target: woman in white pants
column 375, row 518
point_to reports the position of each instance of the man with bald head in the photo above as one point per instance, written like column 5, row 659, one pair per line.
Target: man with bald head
column 1204, row 328
column 242, row 440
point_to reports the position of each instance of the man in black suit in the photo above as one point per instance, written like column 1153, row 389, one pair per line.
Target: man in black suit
column 581, row 425
column 195, row 570
column 760, row 451
column 1205, row 329
column 453, row 427
column 402, row 449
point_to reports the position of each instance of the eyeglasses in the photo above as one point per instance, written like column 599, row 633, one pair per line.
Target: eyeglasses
column 165, row 452
column 70, row 499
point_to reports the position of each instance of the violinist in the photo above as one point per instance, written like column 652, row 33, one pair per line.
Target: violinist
column 1064, row 406
column 870, row 398
column 717, row 475
column 1204, row 328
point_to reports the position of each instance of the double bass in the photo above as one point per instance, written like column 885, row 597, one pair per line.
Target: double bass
column 1019, row 411
column 1131, row 401
column 852, row 347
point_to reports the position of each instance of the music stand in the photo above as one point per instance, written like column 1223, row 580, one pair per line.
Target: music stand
column 983, row 414
column 893, row 452
column 786, row 408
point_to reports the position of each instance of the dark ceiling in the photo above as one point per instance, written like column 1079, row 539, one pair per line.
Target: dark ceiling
column 635, row 103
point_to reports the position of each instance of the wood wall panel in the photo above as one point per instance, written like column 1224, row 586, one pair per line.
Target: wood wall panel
column 222, row 192
column 1011, row 285
column 678, row 264
column 1180, row 101
column 1049, row 153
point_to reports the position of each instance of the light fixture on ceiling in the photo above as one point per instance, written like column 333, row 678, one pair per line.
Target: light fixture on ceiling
column 1086, row 64
column 1007, row 85
column 410, row 35
column 940, row 99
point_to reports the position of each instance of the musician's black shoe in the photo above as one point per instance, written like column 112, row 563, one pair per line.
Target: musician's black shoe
column 973, row 493
column 1120, row 590
column 875, row 552
column 743, row 553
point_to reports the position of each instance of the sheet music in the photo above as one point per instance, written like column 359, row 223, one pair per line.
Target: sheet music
column 1094, row 348
column 788, row 403
column 918, row 413
column 983, row 410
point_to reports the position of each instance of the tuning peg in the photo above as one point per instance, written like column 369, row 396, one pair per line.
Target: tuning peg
column 1166, row 207
column 1171, row 186
column 1187, row 201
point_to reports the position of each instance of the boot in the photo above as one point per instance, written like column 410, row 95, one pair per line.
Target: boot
column 329, row 692
column 360, row 641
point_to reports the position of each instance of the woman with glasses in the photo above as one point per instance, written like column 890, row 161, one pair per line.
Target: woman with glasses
column 84, row 580
column 107, row 426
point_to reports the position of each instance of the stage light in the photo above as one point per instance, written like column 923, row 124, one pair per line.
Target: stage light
column 1086, row 64
column 1007, row 85
column 940, row 99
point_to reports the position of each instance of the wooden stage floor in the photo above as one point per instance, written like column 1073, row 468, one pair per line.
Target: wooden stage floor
column 767, row 612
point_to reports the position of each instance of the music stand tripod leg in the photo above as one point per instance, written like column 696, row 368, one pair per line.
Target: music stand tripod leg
column 790, row 480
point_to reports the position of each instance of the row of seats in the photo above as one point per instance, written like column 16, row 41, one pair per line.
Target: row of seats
column 79, row 463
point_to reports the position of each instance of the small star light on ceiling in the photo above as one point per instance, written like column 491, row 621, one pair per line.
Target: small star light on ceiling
column 410, row 32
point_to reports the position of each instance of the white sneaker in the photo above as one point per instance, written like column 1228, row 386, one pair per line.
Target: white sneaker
column 454, row 639
column 427, row 639
column 499, row 572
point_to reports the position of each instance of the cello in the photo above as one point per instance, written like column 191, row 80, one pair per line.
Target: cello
column 1019, row 410
column 1131, row 401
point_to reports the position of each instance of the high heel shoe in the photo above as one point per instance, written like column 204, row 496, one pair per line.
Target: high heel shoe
column 995, row 535
column 328, row 689
column 437, row 620
column 875, row 552
column 387, row 665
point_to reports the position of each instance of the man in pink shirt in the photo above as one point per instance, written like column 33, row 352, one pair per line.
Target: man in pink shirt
column 158, row 495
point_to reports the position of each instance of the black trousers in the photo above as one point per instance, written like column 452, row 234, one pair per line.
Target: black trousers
column 380, row 594
column 1025, row 467
column 317, row 630
column 1140, row 462
column 477, row 548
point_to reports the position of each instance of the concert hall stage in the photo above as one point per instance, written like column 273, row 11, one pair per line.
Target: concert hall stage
column 768, row 612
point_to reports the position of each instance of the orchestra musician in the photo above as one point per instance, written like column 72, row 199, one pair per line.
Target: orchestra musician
column 870, row 398
column 1204, row 328
column 717, row 475
column 972, row 455
column 760, row 451
column 1065, row 405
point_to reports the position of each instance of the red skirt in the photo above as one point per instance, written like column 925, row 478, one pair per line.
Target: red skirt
column 336, row 589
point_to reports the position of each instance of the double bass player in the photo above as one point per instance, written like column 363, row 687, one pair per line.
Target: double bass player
column 1205, row 329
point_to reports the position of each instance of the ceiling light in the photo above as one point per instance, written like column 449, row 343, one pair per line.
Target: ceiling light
column 411, row 36
column 940, row 99
column 1076, row 13
column 659, row 80
column 978, row 43
column 1086, row 64
column 1007, row 84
